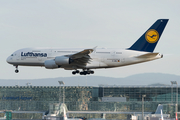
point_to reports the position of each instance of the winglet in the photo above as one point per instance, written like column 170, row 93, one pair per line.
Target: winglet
column 91, row 50
column 94, row 48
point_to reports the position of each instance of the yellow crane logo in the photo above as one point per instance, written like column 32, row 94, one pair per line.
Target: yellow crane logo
column 152, row 36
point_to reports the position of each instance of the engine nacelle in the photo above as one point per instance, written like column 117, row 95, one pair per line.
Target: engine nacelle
column 62, row 60
column 50, row 64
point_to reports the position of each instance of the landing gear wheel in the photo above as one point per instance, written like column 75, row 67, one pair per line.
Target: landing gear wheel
column 86, row 72
column 77, row 71
column 74, row 72
column 81, row 73
column 16, row 71
column 92, row 72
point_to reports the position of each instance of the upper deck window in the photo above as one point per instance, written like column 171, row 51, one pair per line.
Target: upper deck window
column 103, row 52
column 118, row 52
column 64, row 51
column 74, row 51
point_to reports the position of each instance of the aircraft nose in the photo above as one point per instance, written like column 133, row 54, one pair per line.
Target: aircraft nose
column 9, row 60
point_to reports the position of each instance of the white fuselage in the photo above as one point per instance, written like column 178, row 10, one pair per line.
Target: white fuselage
column 100, row 58
column 93, row 58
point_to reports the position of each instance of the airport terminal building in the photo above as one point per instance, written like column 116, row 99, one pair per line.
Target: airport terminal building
column 86, row 98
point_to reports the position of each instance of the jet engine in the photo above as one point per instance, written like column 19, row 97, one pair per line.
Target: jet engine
column 50, row 64
column 62, row 60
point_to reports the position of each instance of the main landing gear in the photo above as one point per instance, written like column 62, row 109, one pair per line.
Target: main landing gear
column 16, row 71
column 84, row 72
column 74, row 72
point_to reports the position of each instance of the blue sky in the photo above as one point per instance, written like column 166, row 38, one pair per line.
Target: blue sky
column 86, row 24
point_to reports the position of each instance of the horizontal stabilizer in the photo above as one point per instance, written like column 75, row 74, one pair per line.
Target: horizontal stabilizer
column 148, row 55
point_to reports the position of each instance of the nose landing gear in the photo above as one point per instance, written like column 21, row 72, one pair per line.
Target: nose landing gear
column 16, row 71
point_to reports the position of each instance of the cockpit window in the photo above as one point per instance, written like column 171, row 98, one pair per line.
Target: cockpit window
column 11, row 54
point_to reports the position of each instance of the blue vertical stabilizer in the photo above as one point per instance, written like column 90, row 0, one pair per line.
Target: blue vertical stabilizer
column 159, row 108
column 148, row 41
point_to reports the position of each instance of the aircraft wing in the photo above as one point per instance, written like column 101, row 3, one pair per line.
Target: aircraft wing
column 82, row 57
column 81, row 54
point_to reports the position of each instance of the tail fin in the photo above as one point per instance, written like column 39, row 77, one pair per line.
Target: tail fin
column 159, row 108
column 148, row 41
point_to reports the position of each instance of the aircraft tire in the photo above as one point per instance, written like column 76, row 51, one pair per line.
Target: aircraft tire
column 73, row 72
column 81, row 73
column 85, row 72
column 16, row 71
column 77, row 71
column 92, row 72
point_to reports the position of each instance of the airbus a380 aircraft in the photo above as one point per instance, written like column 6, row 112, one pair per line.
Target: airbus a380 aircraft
column 88, row 59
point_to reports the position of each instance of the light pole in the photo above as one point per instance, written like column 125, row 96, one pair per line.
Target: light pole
column 60, row 83
column 143, row 96
column 175, row 83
